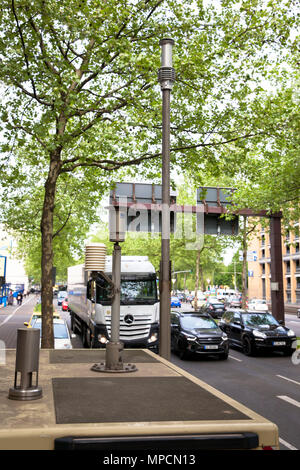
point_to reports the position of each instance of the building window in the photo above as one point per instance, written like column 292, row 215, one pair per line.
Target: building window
column 297, row 266
column 297, row 247
column 298, row 297
column 263, row 253
column 288, row 296
column 263, row 241
column 297, row 282
column 287, row 249
column 263, row 269
column 288, row 267
column 288, row 282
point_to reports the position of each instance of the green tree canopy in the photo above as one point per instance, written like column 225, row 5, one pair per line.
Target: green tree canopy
column 80, row 89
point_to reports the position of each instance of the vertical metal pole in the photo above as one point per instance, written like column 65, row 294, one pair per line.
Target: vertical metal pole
column 115, row 306
column 166, row 78
column 5, row 262
column 234, row 274
column 277, row 298
column 114, row 348
column 165, row 301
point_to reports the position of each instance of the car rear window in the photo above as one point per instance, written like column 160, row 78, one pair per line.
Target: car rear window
column 258, row 319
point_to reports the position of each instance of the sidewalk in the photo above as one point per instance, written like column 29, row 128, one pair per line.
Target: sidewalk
column 288, row 308
column 10, row 308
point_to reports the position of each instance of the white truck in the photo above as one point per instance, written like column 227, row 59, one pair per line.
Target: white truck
column 90, row 305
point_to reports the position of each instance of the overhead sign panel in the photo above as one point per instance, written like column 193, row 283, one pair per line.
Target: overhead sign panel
column 137, row 207
column 216, row 203
column 214, row 196
column 141, row 193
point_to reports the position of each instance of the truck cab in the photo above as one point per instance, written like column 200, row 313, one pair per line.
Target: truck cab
column 90, row 304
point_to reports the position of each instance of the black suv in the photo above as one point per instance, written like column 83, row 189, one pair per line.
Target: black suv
column 254, row 331
column 213, row 307
column 194, row 333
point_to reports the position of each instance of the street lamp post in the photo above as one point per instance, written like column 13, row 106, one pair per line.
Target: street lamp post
column 166, row 77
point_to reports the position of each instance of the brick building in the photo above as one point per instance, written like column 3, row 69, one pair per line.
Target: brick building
column 259, row 282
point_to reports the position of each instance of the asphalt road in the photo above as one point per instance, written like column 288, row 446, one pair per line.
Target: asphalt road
column 269, row 385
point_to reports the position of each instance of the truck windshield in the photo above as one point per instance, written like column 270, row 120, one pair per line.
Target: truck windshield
column 138, row 291
column 133, row 291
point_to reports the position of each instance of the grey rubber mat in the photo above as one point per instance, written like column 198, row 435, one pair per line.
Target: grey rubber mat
column 58, row 356
column 136, row 399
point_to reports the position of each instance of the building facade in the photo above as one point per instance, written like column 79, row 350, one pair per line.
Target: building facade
column 14, row 269
column 259, row 281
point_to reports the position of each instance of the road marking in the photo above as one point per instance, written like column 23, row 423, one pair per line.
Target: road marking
column 290, row 380
column 286, row 444
column 235, row 358
column 289, row 400
column 12, row 314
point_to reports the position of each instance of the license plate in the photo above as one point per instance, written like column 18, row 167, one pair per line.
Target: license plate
column 278, row 343
column 211, row 346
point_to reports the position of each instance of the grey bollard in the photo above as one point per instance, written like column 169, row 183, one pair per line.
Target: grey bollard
column 27, row 363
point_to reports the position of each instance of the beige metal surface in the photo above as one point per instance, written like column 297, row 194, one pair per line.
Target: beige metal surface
column 32, row 425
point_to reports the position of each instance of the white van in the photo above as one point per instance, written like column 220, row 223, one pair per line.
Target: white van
column 61, row 296
column 62, row 339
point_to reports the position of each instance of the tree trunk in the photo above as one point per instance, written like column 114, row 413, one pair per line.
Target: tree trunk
column 244, row 273
column 47, row 252
column 201, row 278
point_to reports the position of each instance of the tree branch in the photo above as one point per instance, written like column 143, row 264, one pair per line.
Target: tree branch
column 65, row 222
column 49, row 65
column 25, row 53
column 115, row 165
column 22, row 128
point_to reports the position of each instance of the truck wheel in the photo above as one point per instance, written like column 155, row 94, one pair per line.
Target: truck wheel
column 73, row 324
column 87, row 338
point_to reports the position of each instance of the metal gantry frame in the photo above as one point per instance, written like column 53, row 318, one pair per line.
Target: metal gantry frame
column 166, row 78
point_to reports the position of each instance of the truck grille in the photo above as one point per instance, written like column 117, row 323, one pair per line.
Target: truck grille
column 138, row 329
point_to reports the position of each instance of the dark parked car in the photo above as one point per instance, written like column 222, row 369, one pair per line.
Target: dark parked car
column 195, row 333
column 254, row 331
column 215, row 308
